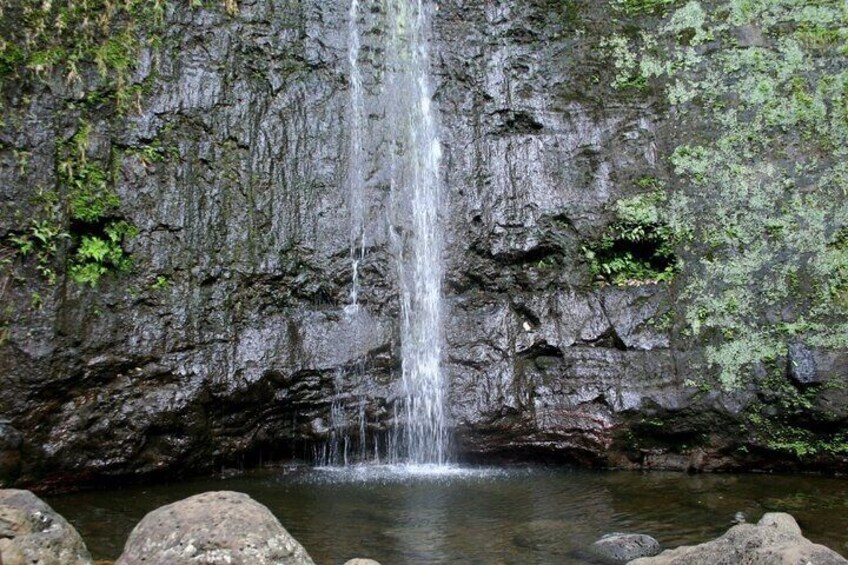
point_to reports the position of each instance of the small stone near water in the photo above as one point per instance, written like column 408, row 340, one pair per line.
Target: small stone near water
column 32, row 532
column 213, row 528
column 360, row 561
column 620, row 548
column 775, row 540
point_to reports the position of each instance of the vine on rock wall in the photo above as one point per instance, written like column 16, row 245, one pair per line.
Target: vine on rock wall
column 638, row 248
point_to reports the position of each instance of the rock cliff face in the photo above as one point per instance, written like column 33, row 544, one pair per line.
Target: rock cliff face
column 228, row 340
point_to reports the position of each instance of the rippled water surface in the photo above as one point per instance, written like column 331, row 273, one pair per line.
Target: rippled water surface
column 458, row 515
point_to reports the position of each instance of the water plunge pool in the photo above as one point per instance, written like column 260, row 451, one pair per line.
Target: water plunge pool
column 525, row 516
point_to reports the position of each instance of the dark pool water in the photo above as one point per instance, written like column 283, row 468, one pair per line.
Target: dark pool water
column 491, row 516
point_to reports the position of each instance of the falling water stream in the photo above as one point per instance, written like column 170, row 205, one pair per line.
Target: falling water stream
column 419, row 434
column 415, row 186
column 344, row 445
column 355, row 173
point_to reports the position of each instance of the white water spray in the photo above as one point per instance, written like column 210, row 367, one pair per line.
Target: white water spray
column 419, row 435
column 416, row 193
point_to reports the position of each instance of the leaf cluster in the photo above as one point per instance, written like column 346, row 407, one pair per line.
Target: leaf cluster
column 638, row 247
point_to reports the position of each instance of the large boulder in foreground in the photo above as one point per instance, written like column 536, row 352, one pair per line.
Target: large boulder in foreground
column 775, row 540
column 213, row 528
column 32, row 532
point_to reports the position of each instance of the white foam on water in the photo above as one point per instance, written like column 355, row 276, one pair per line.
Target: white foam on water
column 396, row 473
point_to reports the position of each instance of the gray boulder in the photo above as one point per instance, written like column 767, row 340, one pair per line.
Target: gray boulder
column 775, row 540
column 802, row 365
column 33, row 533
column 213, row 528
column 621, row 548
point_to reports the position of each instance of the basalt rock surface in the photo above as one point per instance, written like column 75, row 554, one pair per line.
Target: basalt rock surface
column 233, row 333
column 623, row 548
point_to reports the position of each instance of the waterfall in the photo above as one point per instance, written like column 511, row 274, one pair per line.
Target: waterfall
column 355, row 173
column 415, row 189
column 419, row 432
column 339, row 447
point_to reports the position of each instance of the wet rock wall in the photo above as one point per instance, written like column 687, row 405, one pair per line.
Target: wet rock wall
column 229, row 339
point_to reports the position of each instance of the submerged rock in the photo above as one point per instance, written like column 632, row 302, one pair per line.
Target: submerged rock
column 544, row 536
column 213, row 528
column 622, row 548
column 776, row 539
column 32, row 532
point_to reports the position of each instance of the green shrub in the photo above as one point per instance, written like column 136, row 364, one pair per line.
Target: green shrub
column 637, row 247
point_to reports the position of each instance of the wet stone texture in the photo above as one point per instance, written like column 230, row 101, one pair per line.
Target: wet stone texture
column 248, row 341
column 622, row 548
column 31, row 532
column 776, row 538
column 218, row 528
column 10, row 454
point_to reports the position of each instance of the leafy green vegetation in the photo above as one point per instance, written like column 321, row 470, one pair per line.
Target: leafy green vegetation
column 97, row 255
column 94, row 46
column 85, row 182
column 81, row 217
column 69, row 36
column 39, row 38
column 782, row 429
column 98, row 233
column 638, row 247
column 41, row 239
column 763, row 187
column 161, row 282
column 635, row 7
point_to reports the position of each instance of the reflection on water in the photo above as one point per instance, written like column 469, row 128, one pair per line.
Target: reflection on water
column 420, row 515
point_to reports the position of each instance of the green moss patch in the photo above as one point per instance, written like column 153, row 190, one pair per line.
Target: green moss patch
column 761, row 180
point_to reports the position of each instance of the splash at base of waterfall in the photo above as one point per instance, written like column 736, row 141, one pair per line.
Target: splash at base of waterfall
column 412, row 154
column 365, row 473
